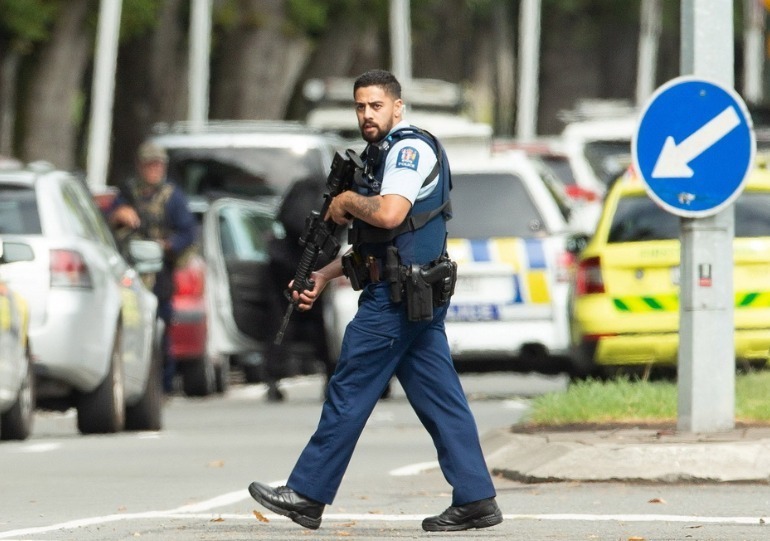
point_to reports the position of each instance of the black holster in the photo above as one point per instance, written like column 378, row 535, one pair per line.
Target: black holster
column 425, row 287
column 354, row 267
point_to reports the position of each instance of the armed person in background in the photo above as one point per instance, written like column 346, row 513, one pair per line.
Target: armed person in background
column 285, row 254
column 154, row 208
column 398, row 209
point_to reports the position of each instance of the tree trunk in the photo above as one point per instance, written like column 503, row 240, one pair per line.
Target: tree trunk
column 151, row 85
column 9, row 71
column 258, row 64
column 53, row 118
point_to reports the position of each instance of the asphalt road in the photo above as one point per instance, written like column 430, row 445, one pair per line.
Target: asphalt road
column 189, row 480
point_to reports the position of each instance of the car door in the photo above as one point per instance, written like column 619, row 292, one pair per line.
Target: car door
column 136, row 332
column 235, row 237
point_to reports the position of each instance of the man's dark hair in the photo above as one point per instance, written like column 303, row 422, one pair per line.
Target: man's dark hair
column 381, row 78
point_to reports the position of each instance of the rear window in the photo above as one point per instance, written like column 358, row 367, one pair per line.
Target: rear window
column 492, row 205
column 243, row 172
column 18, row 212
column 639, row 218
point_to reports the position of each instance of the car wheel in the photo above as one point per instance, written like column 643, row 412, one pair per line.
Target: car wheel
column 16, row 423
column 582, row 364
column 222, row 376
column 103, row 410
column 146, row 414
column 198, row 377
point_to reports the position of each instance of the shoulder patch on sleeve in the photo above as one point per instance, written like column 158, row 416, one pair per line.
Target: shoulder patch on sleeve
column 408, row 157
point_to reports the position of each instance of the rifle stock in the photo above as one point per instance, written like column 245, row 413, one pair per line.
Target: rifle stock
column 320, row 236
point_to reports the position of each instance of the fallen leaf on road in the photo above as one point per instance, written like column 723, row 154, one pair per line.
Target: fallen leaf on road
column 260, row 516
column 634, row 538
column 216, row 464
column 657, row 500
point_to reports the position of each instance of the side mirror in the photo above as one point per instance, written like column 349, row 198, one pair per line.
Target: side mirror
column 146, row 256
column 576, row 243
column 12, row 252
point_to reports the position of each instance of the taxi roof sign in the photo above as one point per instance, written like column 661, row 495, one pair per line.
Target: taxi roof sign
column 694, row 146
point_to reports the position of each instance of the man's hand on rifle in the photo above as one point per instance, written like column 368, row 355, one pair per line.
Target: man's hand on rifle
column 307, row 298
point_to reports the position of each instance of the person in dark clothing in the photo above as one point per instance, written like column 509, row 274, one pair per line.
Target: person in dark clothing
column 285, row 253
column 154, row 208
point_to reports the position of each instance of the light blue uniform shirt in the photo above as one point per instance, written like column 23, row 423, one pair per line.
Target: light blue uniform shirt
column 408, row 164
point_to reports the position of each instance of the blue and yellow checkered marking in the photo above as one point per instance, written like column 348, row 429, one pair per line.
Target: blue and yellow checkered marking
column 526, row 258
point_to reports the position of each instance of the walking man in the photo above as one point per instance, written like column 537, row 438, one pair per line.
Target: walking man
column 398, row 211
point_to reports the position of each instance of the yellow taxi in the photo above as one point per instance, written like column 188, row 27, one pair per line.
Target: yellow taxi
column 624, row 295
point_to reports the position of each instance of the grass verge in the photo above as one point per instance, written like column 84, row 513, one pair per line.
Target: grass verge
column 628, row 401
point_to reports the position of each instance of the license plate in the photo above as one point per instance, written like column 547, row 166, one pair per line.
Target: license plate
column 467, row 285
column 473, row 312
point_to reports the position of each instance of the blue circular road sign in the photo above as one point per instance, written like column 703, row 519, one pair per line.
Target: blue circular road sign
column 694, row 146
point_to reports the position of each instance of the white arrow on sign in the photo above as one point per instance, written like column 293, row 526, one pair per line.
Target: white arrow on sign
column 673, row 159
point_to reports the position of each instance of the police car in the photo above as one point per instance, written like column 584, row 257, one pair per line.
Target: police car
column 508, row 235
column 625, row 297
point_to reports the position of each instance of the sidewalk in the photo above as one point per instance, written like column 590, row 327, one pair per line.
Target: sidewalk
column 643, row 455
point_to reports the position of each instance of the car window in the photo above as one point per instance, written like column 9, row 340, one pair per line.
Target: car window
column 751, row 216
column 244, row 233
column 245, row 172
column 560, row 167
column 608, row 158
column 94, row 218
column 18, row 211
column 639, row 218
column 493, row 205
column 76, row 218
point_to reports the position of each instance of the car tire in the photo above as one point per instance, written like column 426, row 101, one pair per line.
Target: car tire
column 222, row 376
column 581, row 362
column 198, row 376
column 146, row 414
column 103, row 410
column 16, row 423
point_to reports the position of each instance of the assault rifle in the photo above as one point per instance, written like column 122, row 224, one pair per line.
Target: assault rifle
column 320, row 236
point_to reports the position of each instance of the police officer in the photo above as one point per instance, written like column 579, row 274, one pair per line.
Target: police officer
column 154, row 208
column 407, row 183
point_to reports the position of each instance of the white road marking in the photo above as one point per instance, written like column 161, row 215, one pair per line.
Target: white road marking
column 414, row 469
column 180, row 514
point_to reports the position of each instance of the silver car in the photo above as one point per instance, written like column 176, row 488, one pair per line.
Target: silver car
column 93, row 329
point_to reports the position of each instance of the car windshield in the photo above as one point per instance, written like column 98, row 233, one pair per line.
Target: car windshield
column 244, row 172
column 608, row 158
column 639, row 218
column 18, row 211
column 492, row 205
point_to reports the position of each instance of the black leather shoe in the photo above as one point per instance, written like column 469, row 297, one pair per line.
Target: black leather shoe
column 480, row 514
column 286, row 502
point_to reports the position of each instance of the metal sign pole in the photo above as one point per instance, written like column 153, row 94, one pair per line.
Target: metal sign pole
column 103, row 89
column 706, row 370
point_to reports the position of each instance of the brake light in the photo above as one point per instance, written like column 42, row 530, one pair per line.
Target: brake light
column 588, row 278
column 565, row 265
column 574, row 191
column 189, row 280
column 69, row 269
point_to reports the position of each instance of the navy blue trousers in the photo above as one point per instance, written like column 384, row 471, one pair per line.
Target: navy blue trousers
column 379, row 342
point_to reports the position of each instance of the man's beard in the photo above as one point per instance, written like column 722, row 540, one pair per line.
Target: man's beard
column 378, row 136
